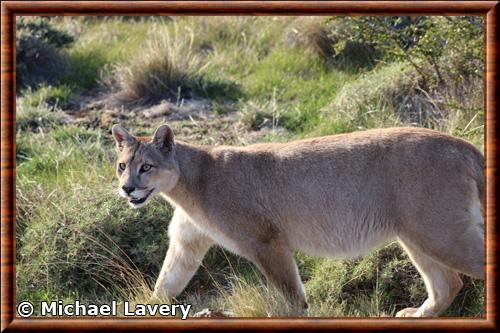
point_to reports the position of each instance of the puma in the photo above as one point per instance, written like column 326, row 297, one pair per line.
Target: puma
column 333, row 196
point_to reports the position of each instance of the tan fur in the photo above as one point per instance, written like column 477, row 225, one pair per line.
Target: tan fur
column 335, row 196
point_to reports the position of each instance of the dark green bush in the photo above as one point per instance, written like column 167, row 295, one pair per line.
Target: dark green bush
column 38, row 55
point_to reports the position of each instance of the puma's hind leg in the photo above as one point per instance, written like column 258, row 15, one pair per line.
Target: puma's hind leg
column 447, row 241
column 442, row 284
column 275, row 260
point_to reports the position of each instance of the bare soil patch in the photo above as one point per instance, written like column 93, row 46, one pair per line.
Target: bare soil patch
column 193, row 120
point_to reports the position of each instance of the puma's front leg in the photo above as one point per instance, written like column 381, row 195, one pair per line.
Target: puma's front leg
column 185, row 253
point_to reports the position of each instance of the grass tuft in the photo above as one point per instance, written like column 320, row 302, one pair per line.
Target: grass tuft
column 166, row 69
column 313, row 35
column 255, row 298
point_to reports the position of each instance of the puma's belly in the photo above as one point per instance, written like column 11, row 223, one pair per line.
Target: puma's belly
column 338, row 240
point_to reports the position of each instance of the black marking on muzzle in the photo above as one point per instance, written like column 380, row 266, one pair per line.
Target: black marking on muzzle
column 139, row 201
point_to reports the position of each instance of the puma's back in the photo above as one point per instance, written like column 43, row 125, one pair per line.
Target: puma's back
column 346, row 192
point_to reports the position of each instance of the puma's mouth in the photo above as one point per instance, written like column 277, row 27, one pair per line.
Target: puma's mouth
column 138, row 201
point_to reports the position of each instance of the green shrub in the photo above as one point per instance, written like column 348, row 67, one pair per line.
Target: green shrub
column 443, row 50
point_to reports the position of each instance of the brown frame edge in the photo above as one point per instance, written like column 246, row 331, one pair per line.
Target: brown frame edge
column 11, row 8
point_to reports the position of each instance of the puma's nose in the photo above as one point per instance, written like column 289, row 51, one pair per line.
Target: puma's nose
column 128, row 189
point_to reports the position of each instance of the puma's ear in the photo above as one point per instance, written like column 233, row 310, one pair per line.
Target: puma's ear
column 163, row 138
column 122, row 137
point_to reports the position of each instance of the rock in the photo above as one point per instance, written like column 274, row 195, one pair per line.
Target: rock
column 162, row 109
column 109, row 117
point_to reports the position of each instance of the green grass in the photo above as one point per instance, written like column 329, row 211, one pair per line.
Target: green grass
column 102, row 43
column 300, row 84
column 76, row 239
column 54, row 96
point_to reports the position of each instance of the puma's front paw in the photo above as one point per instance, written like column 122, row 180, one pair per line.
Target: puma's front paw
column 408, row 312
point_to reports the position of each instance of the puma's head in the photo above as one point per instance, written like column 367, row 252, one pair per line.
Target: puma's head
column 145, row 166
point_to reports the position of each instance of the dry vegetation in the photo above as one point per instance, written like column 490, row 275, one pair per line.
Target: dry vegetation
column 216, row 80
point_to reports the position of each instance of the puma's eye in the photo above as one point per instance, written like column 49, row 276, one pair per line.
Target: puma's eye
column 122, row 166
column 145, row 167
